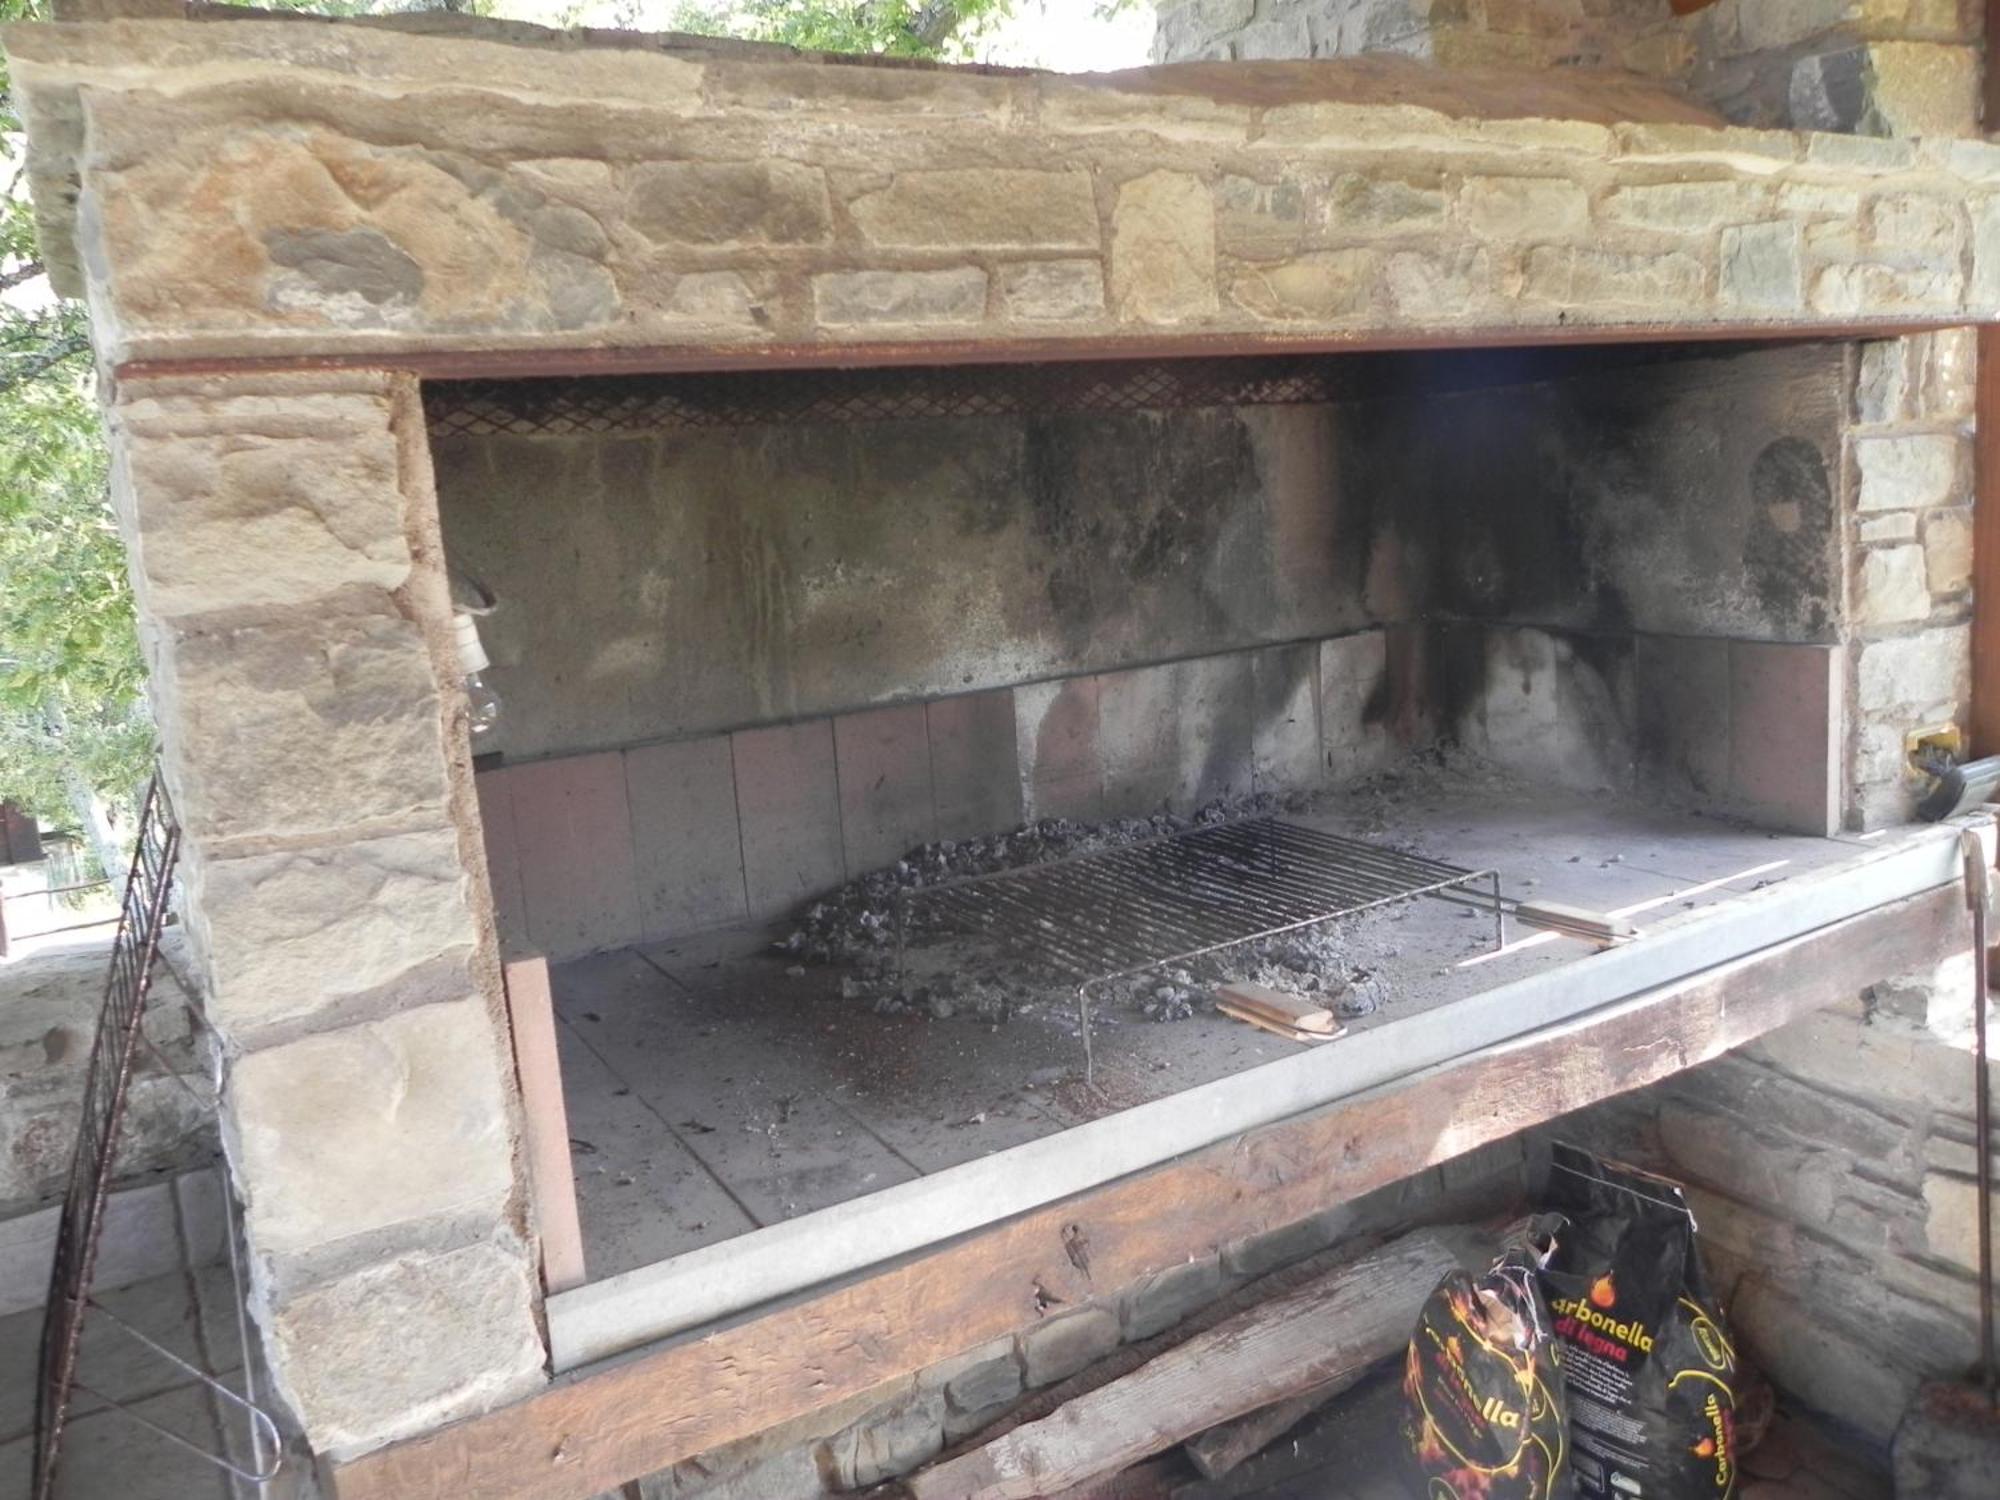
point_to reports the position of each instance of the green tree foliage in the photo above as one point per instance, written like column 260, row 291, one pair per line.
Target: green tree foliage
column 897, row 28
column 73, row 729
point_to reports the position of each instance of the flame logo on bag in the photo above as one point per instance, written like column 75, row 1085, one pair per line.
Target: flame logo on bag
column 1603, row 1293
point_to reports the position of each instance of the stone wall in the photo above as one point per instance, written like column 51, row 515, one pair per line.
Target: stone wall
column 1910, row 469
column 293, row 608
column 346, row 189
column 1869, row 67
column 49, row 1004
column 1830, row 1166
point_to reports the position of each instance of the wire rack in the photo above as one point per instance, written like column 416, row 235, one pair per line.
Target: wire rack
column 1111, row 914
column 114, row 1055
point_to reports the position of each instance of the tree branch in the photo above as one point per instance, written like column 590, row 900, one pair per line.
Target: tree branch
column 37, row 365
column 27, row 271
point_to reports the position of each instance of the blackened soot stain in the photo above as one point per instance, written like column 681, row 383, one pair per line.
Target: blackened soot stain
column 1785, row 546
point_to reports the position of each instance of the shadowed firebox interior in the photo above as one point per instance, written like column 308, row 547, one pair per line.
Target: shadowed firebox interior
column 792, row 665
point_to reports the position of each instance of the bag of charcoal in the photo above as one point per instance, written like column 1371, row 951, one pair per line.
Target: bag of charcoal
column 1483, row 1415
column 1650, row 1368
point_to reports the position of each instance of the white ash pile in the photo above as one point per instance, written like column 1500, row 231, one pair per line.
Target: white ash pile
column 947, row 973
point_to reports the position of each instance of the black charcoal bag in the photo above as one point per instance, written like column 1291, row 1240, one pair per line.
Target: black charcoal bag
column 1483, row 1386
column 1650, row 1369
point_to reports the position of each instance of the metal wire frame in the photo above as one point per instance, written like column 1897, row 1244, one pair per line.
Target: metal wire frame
column 1111, row 914
column 107, row 1089
column 648, row 403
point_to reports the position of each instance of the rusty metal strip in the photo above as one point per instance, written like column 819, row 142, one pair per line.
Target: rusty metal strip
column 500, row 363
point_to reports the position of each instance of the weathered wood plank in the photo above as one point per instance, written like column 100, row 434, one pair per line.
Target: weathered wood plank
column 1333, row 1329
column 1224, row 1447
column 531, row 1013
column 583, row 1435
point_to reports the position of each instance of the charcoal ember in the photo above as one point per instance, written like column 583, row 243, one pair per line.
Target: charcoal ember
column 1358, row 994
column 1169, row 1002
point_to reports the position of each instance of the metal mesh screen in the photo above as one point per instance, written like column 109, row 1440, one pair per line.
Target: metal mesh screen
column 743, row 398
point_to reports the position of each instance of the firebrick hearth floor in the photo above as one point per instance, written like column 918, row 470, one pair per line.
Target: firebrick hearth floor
column 715, row 1086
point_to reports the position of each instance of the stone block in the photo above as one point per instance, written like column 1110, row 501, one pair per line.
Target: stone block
column 860, row 298
column 1951, row 1219
column 1163, row 249
column 1918, row 223
column 1257, row 220
column 687, row 851
column 1875, row 290
column 885, row 1444
column 1882, row 387
column 320, row 935
column 1052, row 291
column 1789, row 695
column 1058, row 1347
column 1896, row 526
column 573, row 837
column 1911, row 471
column 1275, row 40
column 1322, row 286
column 887, row 805
column 1893, row 589
column 1946, row 365
column 1428, row 287
column 1948, row 550
column 1260, row 1254
column 1923, row 89
column 1685, row 207
column 788, row 805
column 1155, row 1303
column 719, row 204
column 718, row 299
column 311, row 729
column 983, row 208
column 1582, row 278
column 386, row 1124
column 1810, row 1357
column 407, row 1345
column 1914, row 678
column 1512, row 209
column 262, row 501
column 992, row 1381
column 1056, row 728
column 1761, row 267
column 1359, row 203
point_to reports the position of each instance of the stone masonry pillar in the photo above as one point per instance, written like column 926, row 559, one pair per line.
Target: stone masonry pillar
column 296, row 616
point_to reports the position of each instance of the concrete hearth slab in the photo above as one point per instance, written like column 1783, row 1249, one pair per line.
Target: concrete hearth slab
column 716, row 1086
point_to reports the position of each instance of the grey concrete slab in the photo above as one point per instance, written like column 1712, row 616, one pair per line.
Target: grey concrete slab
column 641, row 1194
column 887, row 802
column 975, row 766
column 687, row 852
column 788, row 804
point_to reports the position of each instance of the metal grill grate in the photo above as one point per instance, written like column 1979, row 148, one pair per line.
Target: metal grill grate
column 1103, row 916
column 614, row 404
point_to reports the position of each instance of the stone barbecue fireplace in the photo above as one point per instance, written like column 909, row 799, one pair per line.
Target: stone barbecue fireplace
column 847, row 458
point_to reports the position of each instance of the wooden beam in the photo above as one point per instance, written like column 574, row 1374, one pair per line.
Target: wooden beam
column 592, row 1432
column 1330, row 1330
column 1986, row 535
column 531, row 1013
